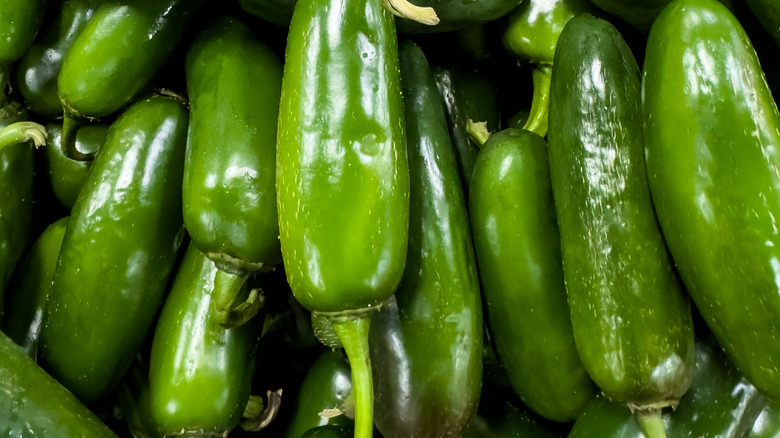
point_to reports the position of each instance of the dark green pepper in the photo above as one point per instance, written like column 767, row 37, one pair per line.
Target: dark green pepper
column 30, row 290
column 119, row 249
column 710, row 129
column 325, row 396
column 631, row 319
column 467, row 95
column 35, row 405
column 422, row 388
column 457, row 14
column 278, row 12
column 330, row 431
column 115, row 56
column 768, row 13
column 719, row 404
column 37, row 71
column 500, row 415
column 519, row 254
column 342, row 177
column 229, row 193
column 133, row 398
column 200, row 373
column 531, row 33
column 67, row 175
column 16, row 198
column 19, row 23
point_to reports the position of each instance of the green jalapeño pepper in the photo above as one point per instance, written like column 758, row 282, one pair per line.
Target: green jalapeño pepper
column 519, row 254
column 531, row 33
column 115, row 56
column 119, row 249
column 35, row 405
column 200, row 373
column 16, row 188
column 324, row 396
column 67, row 175
column 133, row 398
column 458, row 14
column 422, row 388
column 500, row 415
column 19, row 23
column 767, row 424
column 632, row 321
column 719, row 404
column 234, row 84
column 467, row 95
column 342, row 178
column 30, row 290
column 36, row 74
column 711, row 127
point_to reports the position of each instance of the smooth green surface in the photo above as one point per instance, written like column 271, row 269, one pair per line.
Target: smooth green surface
column 767, row 424
column 342, row 178
column 467, row 95
column 518, row 248
column 37, row 71
column 133, row 398
column 458, row 14
column 719, row 404
column 500, row 415
column 631, row 319
column 427, row 351
column 16, row 203
column 711, row 127
column 278, row 12
column 66, row 175
column 119, row 249
column 200, row 374
column 638, row 13
column 327, row 385
column 35, row 405
column 29, row 291
column 118, row 52
column 331, row 431
column 234, row 83
column 19, row 23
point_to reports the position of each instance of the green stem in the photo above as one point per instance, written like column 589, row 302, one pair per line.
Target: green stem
column 231, row 305
column 478, row 132
column 540, row 105
column 651, row 423
column 21, row 132
column 70, row 127
column 353, row 333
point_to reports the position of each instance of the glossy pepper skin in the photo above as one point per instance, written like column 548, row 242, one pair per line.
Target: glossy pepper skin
column 327, row 385
column 342, row 177
column 531, row 33
column 35, row 405
column 67, row 175
column 36, row 74
column 19, row 23
column 134, row 401
column 631, row 319
column 200, row 373
column 422, row 388
column 234, row 84
column 720, row 404
column 118, row 52
column 467, row 95
column 710, row 127
column 28, row 293
column 16, row 203
column 330, row 431
column 768, row 13
column 767, row 424
column 119, row 249
column 518, row 248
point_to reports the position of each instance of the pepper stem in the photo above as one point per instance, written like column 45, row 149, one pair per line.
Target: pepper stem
column 21, row 132
column 540, row 105
column 404, row 9
column 70, row 127
column 353, row 333
column 478, row 132
column 651, row 423
column 231, row 310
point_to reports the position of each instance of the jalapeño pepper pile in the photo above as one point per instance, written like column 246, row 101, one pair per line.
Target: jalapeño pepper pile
column 338, row 218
